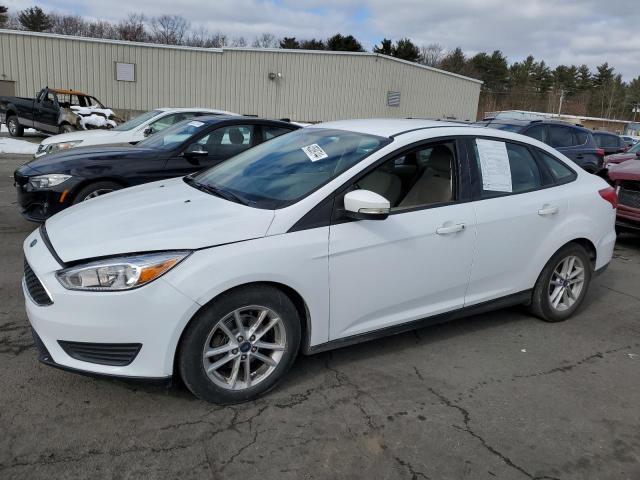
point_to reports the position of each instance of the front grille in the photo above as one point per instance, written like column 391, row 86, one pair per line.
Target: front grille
column 36, row 290
column 629, row 198
column 116, row 354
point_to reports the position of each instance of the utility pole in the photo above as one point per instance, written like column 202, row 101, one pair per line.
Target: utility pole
column 561, row 99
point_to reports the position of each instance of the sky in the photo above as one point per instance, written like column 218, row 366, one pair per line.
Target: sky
column 558, row 31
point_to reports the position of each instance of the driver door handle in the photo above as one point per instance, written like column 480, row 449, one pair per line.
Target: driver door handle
column 449, row 229
column 548, row 210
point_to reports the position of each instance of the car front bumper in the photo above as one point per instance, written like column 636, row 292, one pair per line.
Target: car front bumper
column 153, row 316
column 38, row 205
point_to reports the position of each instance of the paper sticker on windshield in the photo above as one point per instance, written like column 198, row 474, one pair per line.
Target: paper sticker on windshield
column 314, row 152
column 494, row 164
column 196, row 124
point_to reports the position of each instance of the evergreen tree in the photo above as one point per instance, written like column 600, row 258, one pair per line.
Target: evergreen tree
column 312, row 44
column 34, row 19
column 385, row 48
column 3, row 15
column 290, row 43
column 344, row 43
column 406, row 50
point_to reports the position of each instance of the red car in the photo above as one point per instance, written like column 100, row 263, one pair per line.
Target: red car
column 626, row 179
column 632, row 154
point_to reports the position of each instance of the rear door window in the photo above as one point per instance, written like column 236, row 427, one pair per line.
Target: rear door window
column 273, row 132
column 523, row 170
column 561, row 136
column 538, row 132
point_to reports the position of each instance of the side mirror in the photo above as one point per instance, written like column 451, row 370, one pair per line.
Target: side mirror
column 148, row 131
column 195, row 150
column 637, row 154
column 366, row 205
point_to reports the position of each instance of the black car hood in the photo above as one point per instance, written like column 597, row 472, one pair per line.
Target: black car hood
column 66, row 161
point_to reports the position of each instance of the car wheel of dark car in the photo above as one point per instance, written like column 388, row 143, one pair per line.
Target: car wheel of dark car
column 14, row 127
column 94, row 190
column 66, row 128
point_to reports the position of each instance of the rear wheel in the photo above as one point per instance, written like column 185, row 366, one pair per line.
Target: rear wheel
column 14, row 127
column 562, row 285
column 94, row 190
column 240, row 345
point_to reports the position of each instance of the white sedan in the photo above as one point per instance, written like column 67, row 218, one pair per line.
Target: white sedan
column 323, row 237
column 131, row 131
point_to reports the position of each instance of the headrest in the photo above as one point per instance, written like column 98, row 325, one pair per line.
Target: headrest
column 440, row 159
column 235, row 136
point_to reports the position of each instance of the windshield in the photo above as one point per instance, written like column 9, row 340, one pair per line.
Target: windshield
column 634, row 149
column 172, row 137
column 284, row 170
column 136, row 121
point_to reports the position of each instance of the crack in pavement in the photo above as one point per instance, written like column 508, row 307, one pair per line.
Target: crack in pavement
column 620, row 293
column 562, row 369
column 466, row 419
column 414, row 473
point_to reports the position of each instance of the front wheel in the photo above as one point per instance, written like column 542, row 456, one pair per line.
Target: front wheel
column 239, row 346
column 66, row 128
column 14, row 127
column 562, row 285
column 94, row 190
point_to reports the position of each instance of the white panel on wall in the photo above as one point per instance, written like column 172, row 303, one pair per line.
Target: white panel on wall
column 125, row 72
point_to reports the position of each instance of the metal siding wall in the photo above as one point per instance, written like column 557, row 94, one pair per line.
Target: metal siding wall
column 313, row 87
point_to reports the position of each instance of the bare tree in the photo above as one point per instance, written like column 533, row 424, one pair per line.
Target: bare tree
column 132, row 28
column 67, row 24
column 102, row 29
column 202, row 38
column 431, row 55
column 239, row 42
column 169, row 29
column 266, row 40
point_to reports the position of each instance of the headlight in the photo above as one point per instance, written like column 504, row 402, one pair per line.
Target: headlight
column 46, row 181
column 55, row 147
column 121, row 273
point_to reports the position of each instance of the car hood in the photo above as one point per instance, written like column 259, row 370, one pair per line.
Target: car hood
column 63, row 162
column 104, row 136
column 629, row 170
column 620, row 157
column 163, row 215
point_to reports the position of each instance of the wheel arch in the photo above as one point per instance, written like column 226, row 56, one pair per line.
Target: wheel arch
column 89, row 181
column 291, row 293
column 10, row 113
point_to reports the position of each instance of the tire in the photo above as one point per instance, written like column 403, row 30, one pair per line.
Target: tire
column 545, row 295
column 95, row 190
column 206, row 332
column 14, row 127
column 66, row 128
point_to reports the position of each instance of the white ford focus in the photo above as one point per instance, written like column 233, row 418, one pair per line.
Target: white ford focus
column 323, row 237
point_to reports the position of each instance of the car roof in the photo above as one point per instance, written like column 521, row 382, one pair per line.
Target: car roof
column 64, row 91
column 384, row 127
column 195, row 109
column 602, row 132
column 231, row 119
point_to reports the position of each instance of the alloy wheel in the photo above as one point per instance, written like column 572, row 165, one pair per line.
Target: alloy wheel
column 97, row 193
column 244, row 348
column 566, row 283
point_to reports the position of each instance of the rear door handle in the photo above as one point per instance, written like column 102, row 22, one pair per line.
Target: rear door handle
column 579, row 155
column 449, row 229
column 548, row 210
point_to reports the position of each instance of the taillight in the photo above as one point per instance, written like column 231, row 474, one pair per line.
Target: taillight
column 600, row 152
column 610, row 195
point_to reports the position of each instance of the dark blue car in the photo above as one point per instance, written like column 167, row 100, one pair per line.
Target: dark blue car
column 573, row 141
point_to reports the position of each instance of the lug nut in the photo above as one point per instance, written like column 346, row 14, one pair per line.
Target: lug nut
column 240, row 338
column 244, row 357
column 253, row 349
column 234, row 351
column 253, row 337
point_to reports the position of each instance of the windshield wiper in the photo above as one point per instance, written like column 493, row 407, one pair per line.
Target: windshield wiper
column 214, row 190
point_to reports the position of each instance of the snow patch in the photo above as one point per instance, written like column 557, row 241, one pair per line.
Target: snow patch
column 107, row 112
column 97, row 121
column 11, row 145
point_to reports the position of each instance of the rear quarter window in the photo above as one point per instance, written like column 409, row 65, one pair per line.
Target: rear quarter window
column 561, row 173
